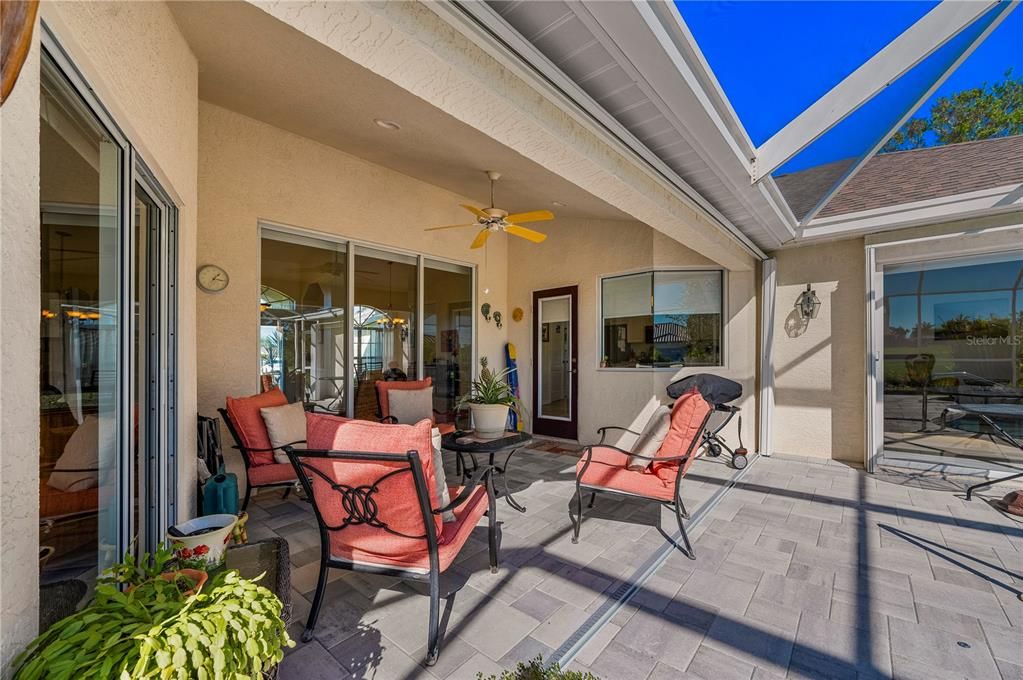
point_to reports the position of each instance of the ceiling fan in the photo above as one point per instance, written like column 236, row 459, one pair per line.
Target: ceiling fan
column 490, row 220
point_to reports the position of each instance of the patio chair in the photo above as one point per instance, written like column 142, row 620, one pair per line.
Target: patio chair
column 606, row 468
column 385, row 387
column 245, row 423
column 375, row 500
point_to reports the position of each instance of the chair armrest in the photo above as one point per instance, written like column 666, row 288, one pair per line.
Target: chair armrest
column 481, row 475
column 269, row 450
column 389, row 420
column 604, row 430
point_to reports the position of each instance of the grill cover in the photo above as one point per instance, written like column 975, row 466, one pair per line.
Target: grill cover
column 715, row 389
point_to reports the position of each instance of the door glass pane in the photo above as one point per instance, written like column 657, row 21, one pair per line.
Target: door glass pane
column 953, row 358
column 555, row 357
column 384, row 324
column 303, row 295
column 80, row 171
column 447, row 334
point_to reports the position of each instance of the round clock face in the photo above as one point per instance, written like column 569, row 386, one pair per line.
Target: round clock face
column 212, row 278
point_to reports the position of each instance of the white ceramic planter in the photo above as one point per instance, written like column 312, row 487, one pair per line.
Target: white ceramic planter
column 211, row 536
column 489, row 420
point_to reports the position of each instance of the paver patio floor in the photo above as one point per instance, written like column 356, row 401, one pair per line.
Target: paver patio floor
column 804, row 569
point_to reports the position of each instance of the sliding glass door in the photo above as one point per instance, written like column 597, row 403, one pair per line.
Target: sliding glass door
column 952, row 366
column 411, row 318
column 303, row 329
column 106, row 363
column 447, row 333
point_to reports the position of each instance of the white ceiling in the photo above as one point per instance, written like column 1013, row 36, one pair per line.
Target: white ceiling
column 253, row 64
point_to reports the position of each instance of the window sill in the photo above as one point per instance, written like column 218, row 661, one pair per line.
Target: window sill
column 658, row 369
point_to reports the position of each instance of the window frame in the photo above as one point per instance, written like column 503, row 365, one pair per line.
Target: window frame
column 599, row 326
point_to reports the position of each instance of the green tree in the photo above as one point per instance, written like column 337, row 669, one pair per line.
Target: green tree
column 991, row 110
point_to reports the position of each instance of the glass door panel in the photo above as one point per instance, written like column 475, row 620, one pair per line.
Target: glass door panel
column 81, row 169
column 303, row 330
column 953, row 353
column 447, row 334
column 555, row 344
column 383, row 324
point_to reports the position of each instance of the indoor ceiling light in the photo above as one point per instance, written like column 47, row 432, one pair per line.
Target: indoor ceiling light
column 387, row 124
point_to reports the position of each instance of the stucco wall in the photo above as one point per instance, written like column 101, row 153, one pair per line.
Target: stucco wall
column 250, row 171
column 144, row 73
column 820, row 365
column 19, row 356
column 577, row 252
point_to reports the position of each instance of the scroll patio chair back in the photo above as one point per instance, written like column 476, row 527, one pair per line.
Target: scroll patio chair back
column 377, row 509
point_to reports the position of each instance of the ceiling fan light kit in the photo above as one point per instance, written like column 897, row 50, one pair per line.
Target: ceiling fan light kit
column 493, row 219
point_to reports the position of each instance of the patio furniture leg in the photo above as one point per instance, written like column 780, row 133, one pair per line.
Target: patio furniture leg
column 314, row 613
column 990, row 482
column 593, row 499
column 248, row 494
column 492, row 516
column 433, row 641
column 577, row 521
column 287, row 492
column 679, row 511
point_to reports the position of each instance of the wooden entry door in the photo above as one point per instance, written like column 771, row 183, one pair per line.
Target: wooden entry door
column 555, row 362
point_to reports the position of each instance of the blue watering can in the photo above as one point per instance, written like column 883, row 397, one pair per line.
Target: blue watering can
column 220, row 494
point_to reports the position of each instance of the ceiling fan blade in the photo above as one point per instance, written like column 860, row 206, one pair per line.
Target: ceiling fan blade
column 475, row 211
column 481, row 239
column 534, row 216
column 452, row 226
column 523, row 232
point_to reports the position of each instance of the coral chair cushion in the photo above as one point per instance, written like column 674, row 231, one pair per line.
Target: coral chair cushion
column 248, row 421
column 386, row 491
column 274, row 473
column 384, row 386
column 607, row 469
column 687, row 422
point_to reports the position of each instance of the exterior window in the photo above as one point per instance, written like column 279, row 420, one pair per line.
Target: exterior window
column 661, row 319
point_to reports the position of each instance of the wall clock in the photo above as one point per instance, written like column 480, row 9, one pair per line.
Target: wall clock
column 212, row 278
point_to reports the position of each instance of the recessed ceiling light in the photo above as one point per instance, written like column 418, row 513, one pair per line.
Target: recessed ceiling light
column 558, row 203
column 387, row 124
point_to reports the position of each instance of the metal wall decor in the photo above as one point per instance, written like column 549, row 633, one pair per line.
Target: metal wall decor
column 498, row 319
column 485, row 311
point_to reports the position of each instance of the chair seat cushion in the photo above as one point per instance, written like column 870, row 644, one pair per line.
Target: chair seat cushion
column 446, row 428
column 449, row 542
column 607, row 470
column 274, row 473
column 248, row 421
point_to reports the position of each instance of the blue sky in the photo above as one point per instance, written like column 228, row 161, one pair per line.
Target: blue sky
column 774, row 59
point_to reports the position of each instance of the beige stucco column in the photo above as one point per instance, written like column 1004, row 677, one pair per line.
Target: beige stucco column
column 19, row 361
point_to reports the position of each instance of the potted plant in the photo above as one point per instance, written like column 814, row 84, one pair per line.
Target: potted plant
column 489, row 399
column 536, row 669
column 160, row 626
column 130, row 573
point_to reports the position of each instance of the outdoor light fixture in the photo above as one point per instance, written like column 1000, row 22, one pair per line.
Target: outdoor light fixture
column 808, row 304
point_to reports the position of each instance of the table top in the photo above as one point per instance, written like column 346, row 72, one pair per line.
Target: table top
column 509, row 440
column 970, row 417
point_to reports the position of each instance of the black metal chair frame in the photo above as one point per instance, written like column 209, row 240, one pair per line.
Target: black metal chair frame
column 361, row 508
column 676, row 504
column 245, row 451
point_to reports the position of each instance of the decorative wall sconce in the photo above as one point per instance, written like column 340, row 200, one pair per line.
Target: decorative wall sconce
column 808, row 304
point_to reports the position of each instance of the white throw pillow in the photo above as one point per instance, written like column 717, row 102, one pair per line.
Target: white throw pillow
column 651, row 438
column 408, row 407
column 80, row 457
column 285, row 425
column 440, row 478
